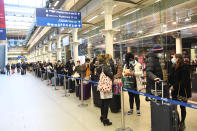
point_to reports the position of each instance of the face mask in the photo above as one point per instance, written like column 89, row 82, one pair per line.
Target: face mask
column 159, row 55
column 131, row 62
column 173, row 61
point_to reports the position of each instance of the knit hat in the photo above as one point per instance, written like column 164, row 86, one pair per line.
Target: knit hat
column 157, row 49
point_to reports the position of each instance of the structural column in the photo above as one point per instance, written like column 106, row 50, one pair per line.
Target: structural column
column 75, row 44
column 43, row 53
column 179, row 47
column 59, row 48
column 108, row 31
column 50, row 51
column 89, row 48
column 129, row 49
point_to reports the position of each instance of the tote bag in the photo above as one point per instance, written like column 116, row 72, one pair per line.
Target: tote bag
column 105, row 83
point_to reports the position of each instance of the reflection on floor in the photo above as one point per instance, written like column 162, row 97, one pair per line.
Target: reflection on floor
column 28, row 104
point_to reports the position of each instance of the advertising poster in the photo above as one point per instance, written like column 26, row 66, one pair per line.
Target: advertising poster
column 2, row 21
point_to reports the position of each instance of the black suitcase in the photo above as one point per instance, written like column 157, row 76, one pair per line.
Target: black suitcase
column 22, row 72
column 164, row 116
column 3, row 72
column 71, row 85
column 115, row 104
column 96, row 96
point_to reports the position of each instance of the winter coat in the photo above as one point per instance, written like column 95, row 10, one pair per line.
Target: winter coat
column 138, row 73
column 153, row 70
column 180, row 79
column 8, row 67
column 108, row 72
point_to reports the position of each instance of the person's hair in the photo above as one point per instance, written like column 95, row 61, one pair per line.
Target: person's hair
column 128, row 56
column 87, row 60
column 180, row 59
column 103, row 59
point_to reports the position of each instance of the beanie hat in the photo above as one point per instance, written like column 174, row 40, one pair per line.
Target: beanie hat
column 157, row 49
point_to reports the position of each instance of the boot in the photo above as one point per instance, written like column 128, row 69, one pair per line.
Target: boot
column 101, row 118
column 182, row 126
column 106, row 122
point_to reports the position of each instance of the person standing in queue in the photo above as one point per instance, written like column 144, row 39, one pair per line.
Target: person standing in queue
column 153, row 68
column 13, row 67
column 180, row 79
column 135, row 72
column 105, row 75
column 8, row 69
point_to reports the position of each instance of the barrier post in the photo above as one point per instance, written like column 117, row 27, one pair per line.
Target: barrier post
column 55, row 76
column 41, row 75
column 123, row 128
column 65, row 86
column 82, row 101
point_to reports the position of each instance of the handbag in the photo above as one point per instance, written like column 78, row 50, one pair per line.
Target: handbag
column 129, row 82
column 104, row 84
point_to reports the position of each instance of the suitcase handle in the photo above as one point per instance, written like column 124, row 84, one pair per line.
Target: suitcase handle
column 162, row 90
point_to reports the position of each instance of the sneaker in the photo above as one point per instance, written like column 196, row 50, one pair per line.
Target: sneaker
column 138, row 112
column 130, row 112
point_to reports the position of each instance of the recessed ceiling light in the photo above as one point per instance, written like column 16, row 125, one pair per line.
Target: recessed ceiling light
column 187, row 19
column 56, row 3
column 164, row 25
column 92, row 18
column 157, row 1
column 102, row 12
column 174, row 23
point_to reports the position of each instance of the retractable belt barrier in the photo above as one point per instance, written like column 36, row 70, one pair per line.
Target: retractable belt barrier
column 136, row 92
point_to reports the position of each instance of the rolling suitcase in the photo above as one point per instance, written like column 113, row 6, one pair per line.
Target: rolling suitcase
column 86, row 91
column 96, row 96
column 53, row 81
column 71, row 85
column 115, row 104
column 22, row 72
column 164, row 116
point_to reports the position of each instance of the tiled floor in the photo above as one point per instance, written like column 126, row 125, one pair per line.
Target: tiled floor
column 28, row 104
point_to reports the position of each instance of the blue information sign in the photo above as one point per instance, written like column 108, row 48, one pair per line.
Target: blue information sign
column 2, row 33
column 58, row 18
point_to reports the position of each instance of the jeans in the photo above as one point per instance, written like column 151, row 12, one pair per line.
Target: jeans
column 8, row 72
column 133, row 96
column 104, row 107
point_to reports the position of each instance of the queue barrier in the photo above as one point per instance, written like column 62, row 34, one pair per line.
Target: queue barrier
column 123, row 128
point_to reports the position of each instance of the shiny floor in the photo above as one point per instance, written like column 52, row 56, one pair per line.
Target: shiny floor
column 28, row 104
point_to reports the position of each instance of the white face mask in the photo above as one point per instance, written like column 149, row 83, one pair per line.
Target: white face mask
column 160, row 55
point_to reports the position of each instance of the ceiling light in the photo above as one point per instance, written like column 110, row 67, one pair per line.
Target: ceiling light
column 164, row 25
column 187, row 19
column 56, row 3
column 94, row 28
column 174, row 23
column 92, row 18
column 102, row 12
column 86, row 32
column 140, row 32
column 157, row 1
column 115, row 19
column 115, row 6
column 132, row 12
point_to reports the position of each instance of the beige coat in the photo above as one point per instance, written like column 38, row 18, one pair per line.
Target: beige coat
column 138, row 72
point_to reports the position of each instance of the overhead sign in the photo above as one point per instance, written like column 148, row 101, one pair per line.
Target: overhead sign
column 2, row 21
column 21, row 57
column 58, row 18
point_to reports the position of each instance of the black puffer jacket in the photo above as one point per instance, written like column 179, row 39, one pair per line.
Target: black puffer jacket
column 181, row 81
column 153, row 69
